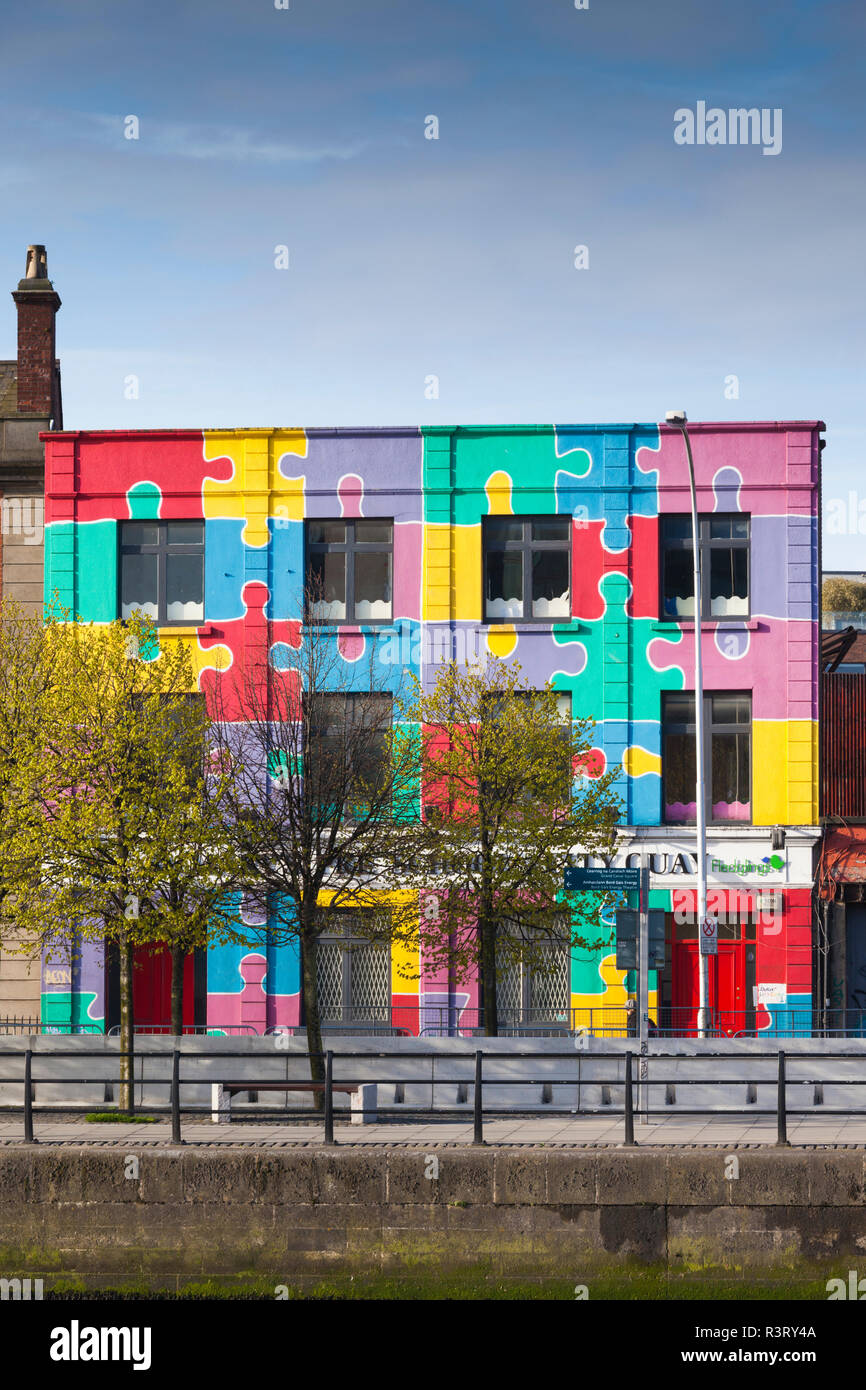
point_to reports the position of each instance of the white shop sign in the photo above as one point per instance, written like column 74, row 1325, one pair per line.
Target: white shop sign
column 731, row 861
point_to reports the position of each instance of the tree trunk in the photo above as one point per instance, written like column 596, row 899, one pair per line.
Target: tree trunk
column 126, row 1099
column 490, row 1013
column 178, row 961
column 487, row 926
column 309, row 957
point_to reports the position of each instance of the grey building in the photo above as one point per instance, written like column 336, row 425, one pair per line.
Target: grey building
column 30, row 401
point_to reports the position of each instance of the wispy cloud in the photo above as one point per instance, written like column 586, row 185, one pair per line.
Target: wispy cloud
column 241, row 146
column 192, row 140
column 234, row 144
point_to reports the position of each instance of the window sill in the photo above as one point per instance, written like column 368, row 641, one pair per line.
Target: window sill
column 186, row 629
column 531, row 624
column 386, row 625
column 711, row 824
column 707, row 624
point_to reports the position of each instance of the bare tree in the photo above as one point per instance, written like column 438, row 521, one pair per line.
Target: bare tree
column 325, row 778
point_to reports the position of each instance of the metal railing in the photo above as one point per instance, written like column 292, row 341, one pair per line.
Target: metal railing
column 450, row 1020
column 453, row 1021
column 476, row 1076
column 19, row 1026
column 189, row 1030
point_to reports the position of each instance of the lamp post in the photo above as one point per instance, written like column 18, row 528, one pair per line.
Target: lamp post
column 706, row 945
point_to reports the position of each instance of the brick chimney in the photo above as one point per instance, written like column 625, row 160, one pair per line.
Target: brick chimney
column 38, row 302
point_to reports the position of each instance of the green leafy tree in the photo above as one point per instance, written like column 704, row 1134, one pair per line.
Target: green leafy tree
column 29, row 678
column 125, row 833
column 511, row 786
column 843, row 596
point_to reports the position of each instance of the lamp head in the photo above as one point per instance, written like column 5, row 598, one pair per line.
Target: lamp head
column 676, row 417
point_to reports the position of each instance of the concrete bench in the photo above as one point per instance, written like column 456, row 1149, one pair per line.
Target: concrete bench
column 362, row 1097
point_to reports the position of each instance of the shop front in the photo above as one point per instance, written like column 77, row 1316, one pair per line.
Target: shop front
column 760, row 978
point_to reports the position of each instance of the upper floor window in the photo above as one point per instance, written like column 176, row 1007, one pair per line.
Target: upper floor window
column 527, row 565
column 727, row 757
column 162, row 570
column 553, row 783
column 350, row 570
column 724, row 544
column 347, row 753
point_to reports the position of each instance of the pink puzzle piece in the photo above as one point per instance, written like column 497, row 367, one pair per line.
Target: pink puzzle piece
column 253, row 1000
column 252, row 1007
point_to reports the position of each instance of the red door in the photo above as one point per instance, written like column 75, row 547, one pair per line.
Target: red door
column 151, row 989
column 727, row 991
column 727, row 988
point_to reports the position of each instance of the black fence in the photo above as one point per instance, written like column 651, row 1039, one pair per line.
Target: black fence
column 454, row 1021
column 340, row 1079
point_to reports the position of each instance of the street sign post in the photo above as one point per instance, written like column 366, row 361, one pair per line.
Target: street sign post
column 643, row 993
column 627, row 924
column 638, row 929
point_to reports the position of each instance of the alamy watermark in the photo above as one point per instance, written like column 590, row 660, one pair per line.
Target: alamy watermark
column 845, row 516
column 77, row 1343
column 854, row 1288
column 20, row 1290
column 23, row 516
column 736, row 126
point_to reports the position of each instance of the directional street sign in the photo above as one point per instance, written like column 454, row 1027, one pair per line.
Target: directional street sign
column 602, row 880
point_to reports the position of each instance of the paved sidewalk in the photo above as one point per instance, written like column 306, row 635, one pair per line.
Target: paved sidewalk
column 588, row 1130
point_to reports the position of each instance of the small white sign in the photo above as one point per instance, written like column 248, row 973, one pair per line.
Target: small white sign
column 771, row 994
column 709, row 936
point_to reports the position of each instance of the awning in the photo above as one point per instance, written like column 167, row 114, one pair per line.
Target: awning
column 843, row 861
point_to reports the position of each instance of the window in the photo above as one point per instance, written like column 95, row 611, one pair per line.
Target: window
column 724, row 543
column 849, row 668
column 727, row 757
column 526, row 569
column 497, row 705
column 185, row 716
column 536, row 991
column 347, row 750
column 353, row 971
column 349, row 571
column 178, row 718
column 162, row 570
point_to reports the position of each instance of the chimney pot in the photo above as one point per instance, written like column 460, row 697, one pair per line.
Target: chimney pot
column 37, row 263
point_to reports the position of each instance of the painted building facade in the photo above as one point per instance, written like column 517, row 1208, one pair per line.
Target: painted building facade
column 566, row 547
column 840, row 897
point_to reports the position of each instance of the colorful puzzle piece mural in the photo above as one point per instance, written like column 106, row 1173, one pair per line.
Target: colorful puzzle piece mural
column 255, row 491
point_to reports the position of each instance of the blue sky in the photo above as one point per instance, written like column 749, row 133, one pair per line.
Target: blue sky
column 411, row 258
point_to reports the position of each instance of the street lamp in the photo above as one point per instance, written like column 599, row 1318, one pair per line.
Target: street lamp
column 678, row 420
